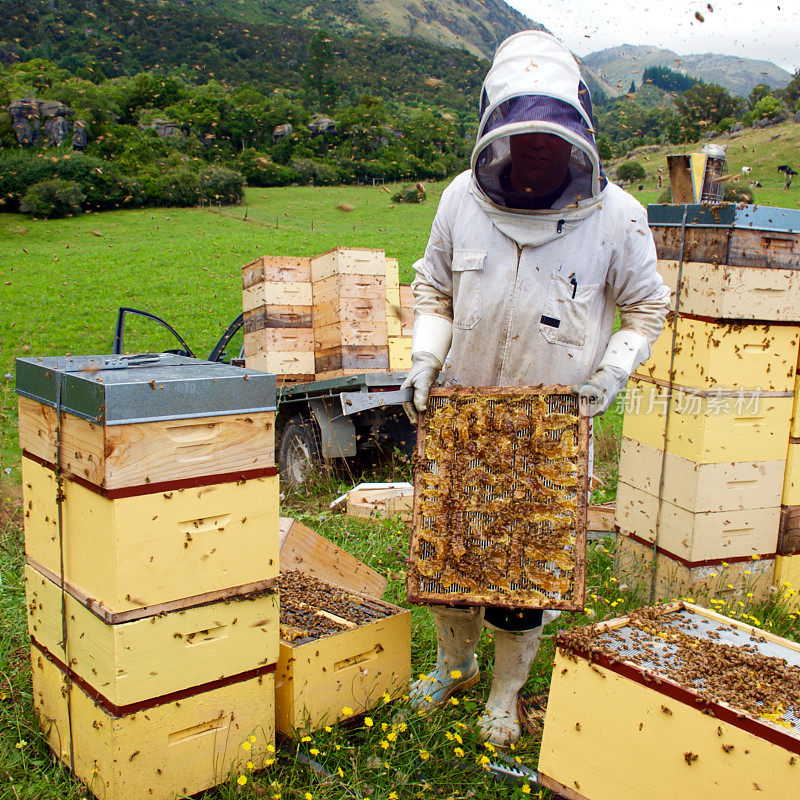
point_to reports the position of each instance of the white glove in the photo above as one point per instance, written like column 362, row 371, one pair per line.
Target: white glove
column 597, row 393
column 430, row 343
column 626, row 350
column 425, row 368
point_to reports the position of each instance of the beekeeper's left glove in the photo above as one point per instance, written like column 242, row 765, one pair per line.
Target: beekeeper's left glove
column 430, row 344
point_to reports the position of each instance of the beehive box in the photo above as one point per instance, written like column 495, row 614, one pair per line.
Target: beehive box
column 713, row 354
column 663, row 705
column 147, row 421
column 183, row 745
column 131, row 658
column 350, row 326
column 678, row 577
column 697, row 536
column 277, row 303
column 709, row 426
column 399, row 353
column 699, row 488
column 787, row 579
column 500, row 495
column 393, row 325
column 137, row 550
column 791, row 480
column 746, row 236
column 376, row 500
column 339, row 650
column 722, row 291
column 789, row 537
column 406, row 311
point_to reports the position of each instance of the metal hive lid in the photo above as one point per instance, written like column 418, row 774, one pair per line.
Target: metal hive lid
column 726, row 215
column 118, row 390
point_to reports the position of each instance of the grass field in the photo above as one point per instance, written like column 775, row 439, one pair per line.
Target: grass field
column 62, row 282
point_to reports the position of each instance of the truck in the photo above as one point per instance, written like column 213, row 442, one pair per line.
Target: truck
column 317, row 421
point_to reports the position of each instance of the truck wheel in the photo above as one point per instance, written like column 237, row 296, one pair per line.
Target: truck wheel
column 299, row 451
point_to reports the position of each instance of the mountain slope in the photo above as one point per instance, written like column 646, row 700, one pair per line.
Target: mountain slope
column 621, row 65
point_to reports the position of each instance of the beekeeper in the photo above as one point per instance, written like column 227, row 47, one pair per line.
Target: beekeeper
column 531, row 252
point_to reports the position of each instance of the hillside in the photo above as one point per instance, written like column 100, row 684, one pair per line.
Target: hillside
column 478, row 26
column 618, row 66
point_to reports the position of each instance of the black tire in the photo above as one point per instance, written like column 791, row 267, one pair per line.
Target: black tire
column 299, row 452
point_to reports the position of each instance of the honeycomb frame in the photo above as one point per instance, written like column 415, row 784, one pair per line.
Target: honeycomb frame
column 453, row 494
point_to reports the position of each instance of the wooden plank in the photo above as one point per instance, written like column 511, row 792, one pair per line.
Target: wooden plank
column 178, row 748
column 303, row 549
column 724, row 578
column 580, row 749
column 316, row 681
column 276, row 269
column 680, row 179
column 771, row 249
column 399, row 353
column 280, row 362
column 130, row 662
column 750, row 429
column 352, row 358
column 720, row 355
column 406, row 310
column 278, row 317
column 280, row 339
column 701, row 487
column 722, row 291
column 136, row 552
column 149, row 452
column 273, row 293
column 709, row 245
column 600, row 517
column 700, row 536
column 789, row 537
column 791, row 480
column 381, row 502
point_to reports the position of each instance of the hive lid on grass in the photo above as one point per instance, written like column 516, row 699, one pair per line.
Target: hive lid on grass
column 118, row 390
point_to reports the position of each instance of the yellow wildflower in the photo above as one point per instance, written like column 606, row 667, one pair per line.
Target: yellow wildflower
column 384, row 744
column 305, row 738
column 340, row 772
column 455, row 674
column 526, row 789
column 393, row 795
column 459, row 752
column 454, row 701
column 253, row 739
column 368, row 722
column 247, row 746
column 387, row 699
column 241, row 780
column 314, row 751
column 424, row 755
column 347, row 711
column 250, row 765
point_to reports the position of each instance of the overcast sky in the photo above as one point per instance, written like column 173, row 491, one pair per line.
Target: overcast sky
column 764, row 29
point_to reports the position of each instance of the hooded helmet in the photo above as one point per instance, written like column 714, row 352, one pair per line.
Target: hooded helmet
column 534, row 86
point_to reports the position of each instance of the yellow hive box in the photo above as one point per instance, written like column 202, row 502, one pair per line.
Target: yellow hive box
column 791, row 481
column 701, row 487
column 158, row 652
column 149, row 453
column 721, row 291
column 618, row 729
column 133, row 552
column 707, row 428
column 720, row 355
column 317, row 678
column 677, row 577
column 399, row 353
column 175, row 749
column 697, row 536
column 787, row 579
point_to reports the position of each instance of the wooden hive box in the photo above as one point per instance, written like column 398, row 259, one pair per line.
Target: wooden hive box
column 381, row 500
column 712, row 354
column 500, row 499
column 399, row 353
column 633, row 713
column 708, row 426
column 134, row 657
column 183, row 745
column 787, row 579
column 339, row 650
column 137, row 549
column 147, row 421
column 406, row 311
column 277, row 303
column 722, row 291
column 393, row 325
column 748, row 236
column 678, row 577
column 350, row 326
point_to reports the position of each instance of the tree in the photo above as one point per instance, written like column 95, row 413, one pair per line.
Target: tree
column 791, row 93
column 318, row 74
column 631, row 171
column 756, row 93
column 767, row 107
column 632, row 87
column 705, row 104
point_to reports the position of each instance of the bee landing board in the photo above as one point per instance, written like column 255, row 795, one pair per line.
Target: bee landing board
column 663, row 704
column 500, row 492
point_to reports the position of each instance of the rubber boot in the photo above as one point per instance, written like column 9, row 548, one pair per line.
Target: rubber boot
column 514, row 652
column 457, row 633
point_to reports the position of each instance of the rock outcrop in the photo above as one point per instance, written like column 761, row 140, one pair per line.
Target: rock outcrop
column 46, row 123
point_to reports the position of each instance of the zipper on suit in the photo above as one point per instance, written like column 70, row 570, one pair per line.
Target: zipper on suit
column 511, row 315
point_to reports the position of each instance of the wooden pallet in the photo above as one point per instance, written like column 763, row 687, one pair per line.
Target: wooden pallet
column 498, row 521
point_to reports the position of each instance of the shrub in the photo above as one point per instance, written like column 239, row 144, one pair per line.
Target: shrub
column 52, row 199
column 260, row 171
column 222, row 186
column 409, row 194
column 317, row 172
column 631, row 171
column 178, row 186
column 767, row 107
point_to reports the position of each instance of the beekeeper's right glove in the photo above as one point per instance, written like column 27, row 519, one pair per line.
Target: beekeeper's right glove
column 430, row 344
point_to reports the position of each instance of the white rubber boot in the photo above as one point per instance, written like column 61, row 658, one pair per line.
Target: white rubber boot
column 514, row 652
column 457, row 633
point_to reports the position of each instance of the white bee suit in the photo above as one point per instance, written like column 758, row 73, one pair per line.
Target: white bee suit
column 532, row 293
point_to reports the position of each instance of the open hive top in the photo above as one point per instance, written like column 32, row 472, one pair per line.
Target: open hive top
column 720, row 663
column 500, row 499
column 312, row 608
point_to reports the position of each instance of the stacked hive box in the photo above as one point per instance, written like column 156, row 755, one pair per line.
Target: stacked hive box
column 277, row 303
column 350, row 329
column 399, row 318
column 151, row 567
column 713, row 499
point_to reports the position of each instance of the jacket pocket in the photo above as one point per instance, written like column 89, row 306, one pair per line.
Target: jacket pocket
column 565, row 315
column 467, row 287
